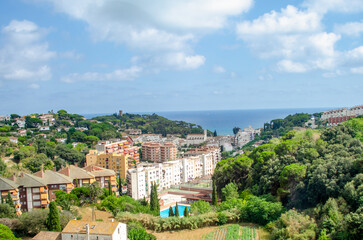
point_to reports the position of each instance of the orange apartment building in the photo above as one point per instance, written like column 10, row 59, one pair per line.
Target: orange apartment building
column 104, row 176
column 7, row 186
column 55, row 182
column 157, row 152
column 78, row 175
column 116, row 162
column 119, row 147
column 33, row 191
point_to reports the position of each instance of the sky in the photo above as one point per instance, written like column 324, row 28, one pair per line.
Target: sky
column 100, row 56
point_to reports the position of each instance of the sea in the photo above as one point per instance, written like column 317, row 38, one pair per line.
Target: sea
column 223, row 121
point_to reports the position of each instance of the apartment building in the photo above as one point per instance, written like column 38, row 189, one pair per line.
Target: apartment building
column 336, row 116
column 33, row 191
column 114, row 161
column 136, row 187
column 8, row 186
column 78, row 175
column 214, row 151
column 157, row 152
column 55, row 182
column 166, row 174
column 117, row 148
column 103, row 177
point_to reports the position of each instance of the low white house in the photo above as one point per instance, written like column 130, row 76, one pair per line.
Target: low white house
column 89, row 230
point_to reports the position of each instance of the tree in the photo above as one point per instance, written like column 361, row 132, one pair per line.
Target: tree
column 214, row 194
column 235, row 130
column 171, row 213
column 7, row 211
column 110, row 193
column 230, row 192
column 323, row 235
column 200, row 207
column 9, row 200
column 6, row 233
column 154, row 199
column 215, row 133
column 176, row 210
column 53, row 220
column 186, row 212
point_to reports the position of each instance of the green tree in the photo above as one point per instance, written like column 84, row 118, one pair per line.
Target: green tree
column 53, row 220
column 230, row 192
column 323, row 235
column 171, row 213
column 6, row 233
column 214, row 195
column 154, row 200
column 200, row 207
column 9, row 200
column 176, row 210
column 6, row 211
column 110, row 193
column 215, row 133
column 186, row 212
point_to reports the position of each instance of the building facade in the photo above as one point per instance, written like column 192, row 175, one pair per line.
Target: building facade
column 7, row 186
column 94, row 230
column 55, row 182
column 157, row 152
column 136, row 185
column 33, row 191
column 336, row 116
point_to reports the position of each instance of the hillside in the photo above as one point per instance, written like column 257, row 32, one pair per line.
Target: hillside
column 317, row 172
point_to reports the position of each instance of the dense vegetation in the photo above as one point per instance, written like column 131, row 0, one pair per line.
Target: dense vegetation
column 318, row 173
column 151, row 124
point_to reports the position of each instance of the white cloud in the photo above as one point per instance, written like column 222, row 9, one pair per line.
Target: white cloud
column 170, row 60
column 344, row 6
column 293, row 67
column 289, row 20
column 117, row 75
column 351, row 28
column 70, row 55
column 24, row 55
column 159, row 28
column 294, row 37
column 34, row 86
column 218, row 69
column 357, row 70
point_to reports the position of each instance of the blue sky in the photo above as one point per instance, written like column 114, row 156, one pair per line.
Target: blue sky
column 142, row 56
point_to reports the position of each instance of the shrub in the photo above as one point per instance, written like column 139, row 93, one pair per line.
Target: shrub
column 261, row 211
column 6, row 211
column 293, row 225
column 6, row 233
column 200, row 207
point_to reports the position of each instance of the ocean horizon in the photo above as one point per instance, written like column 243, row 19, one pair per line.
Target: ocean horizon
column 223, row 121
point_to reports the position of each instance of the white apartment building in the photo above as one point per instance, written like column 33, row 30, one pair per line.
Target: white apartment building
column 167, row 174
column 136, row 185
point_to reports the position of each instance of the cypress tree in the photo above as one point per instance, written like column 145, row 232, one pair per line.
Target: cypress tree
column 176, row 210
column 53, row 221
column 9, row 200
column 109, row 188
column 214, row 194
column 152, row 197
column 171, row 213
column 119, row 185
column 186, row 212
column 157, row 205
